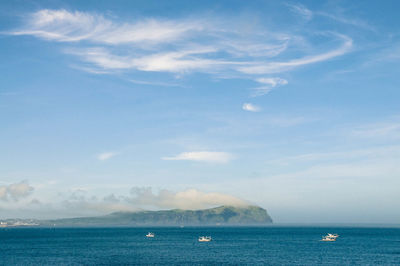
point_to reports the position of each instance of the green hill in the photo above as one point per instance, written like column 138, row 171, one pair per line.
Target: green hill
column 224, row 215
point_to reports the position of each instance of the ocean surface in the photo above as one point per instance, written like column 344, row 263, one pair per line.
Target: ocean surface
column 272, row 245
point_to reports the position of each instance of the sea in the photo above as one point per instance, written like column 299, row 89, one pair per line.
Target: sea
column 271, row 245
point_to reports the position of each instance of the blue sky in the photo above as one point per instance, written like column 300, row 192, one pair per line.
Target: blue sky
column 123, row 105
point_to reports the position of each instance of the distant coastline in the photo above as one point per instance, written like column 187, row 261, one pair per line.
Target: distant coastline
column 219, row 216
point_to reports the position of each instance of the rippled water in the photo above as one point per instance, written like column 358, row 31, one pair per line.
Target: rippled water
column 231, row 245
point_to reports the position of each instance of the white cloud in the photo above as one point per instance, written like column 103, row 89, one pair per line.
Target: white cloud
column 106, row 155
column 251, row 107
column 269, row 84
column 277, row 67
column 248, row 47
column 3, row 192
column 80, row 203
column 301, row 10
column 66, row 26
column 189, row 199
column 180, row 45
column 273, row 82
column 15, row 191
column 350, row 21
column 202, row 156
column 176, row 62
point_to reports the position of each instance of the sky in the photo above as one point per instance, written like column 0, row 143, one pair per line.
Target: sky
column 127, row 105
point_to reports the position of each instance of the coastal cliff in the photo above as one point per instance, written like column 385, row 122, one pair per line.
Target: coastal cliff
column 223, row 215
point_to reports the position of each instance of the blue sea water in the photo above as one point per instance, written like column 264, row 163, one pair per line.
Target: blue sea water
column 272, row 245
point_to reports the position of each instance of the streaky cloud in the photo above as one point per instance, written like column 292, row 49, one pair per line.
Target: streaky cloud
column 65, row 26
column 349, row 21
column 106, row 155
column 273, row 82
column 301, row 10
column 268, row 85
column 202, row 156
column 277, row 67
column 180, row 45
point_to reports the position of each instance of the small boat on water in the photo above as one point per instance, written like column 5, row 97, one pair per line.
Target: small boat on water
column 330, row 237
column 150, row 234
column 205, row 239
column 325, row 238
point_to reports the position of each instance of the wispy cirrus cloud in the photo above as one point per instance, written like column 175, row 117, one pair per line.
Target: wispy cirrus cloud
column 268, row 85
column 277, row 67
column 301, row 10
column 202, row 156
column 175, row 62
column 335, row 15
column 74, row 26
column 345, row 20
column 273, row 82
column 181, row 45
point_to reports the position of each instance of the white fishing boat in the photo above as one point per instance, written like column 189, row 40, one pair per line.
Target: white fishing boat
column 150, row 234
column 205, row 239
column 330, row 237
column 325, row 238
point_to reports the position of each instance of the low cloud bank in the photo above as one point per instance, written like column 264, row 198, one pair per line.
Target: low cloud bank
column 81, row 203
column 190, row 199
column 15, row 191
column 143, row 198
